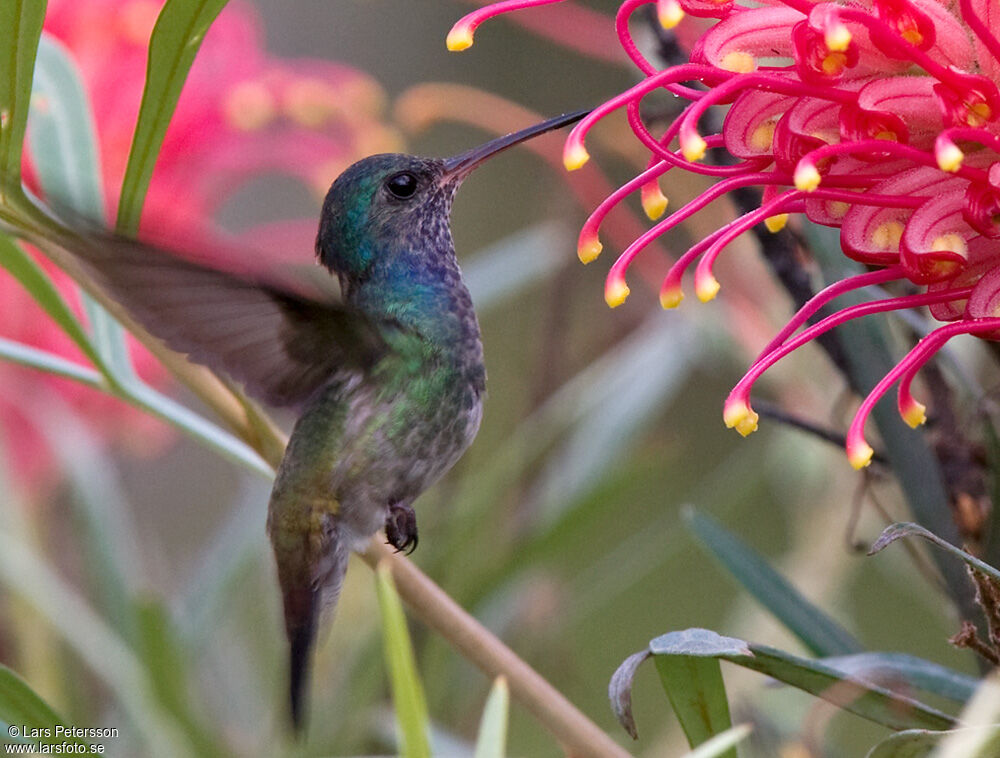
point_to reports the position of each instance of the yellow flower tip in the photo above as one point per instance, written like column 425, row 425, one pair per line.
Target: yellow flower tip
column 459, row 38
column 914, row 414
column 837, row 38
column 738, row 415
column 860, row 454
column 654, row 202
column 669, row 13
column 706, row 287
column 775, row 224
column 693, row 147
column 615, row 292
column 574, row 155
column 588, row 250
column 671, row 297
column 806, row 177
column 949, row 157
column 748, row 425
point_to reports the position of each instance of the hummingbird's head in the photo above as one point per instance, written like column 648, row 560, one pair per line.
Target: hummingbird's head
column 392, row 210
column 382, row 206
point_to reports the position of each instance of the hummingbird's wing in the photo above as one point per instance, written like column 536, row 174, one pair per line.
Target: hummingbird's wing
column 280, row 344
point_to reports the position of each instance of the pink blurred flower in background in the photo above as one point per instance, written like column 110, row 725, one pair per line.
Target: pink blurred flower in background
column 878, row 118
column 243, row 113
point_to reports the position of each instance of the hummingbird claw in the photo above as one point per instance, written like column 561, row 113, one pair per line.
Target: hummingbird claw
column 401, row 528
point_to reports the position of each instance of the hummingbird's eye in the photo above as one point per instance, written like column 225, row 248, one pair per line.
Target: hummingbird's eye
column 401, row 185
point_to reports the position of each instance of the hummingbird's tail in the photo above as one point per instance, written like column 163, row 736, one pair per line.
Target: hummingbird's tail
column 308, row 589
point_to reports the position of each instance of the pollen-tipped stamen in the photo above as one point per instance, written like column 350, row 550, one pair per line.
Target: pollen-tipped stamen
column 669, row 13
column 775, row 224
column 706, row 286
column 806, row 177
column 615, row 288
column 588, row 247
column 948, row 155
column 737, row 414
column 654, row 202
column 671, row 294
column 461, row 36
column 574, row 153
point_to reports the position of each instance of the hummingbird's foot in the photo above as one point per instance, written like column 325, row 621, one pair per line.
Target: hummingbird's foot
column 401, row 527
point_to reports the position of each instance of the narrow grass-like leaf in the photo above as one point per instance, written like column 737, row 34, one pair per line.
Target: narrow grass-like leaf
column 20, row 28
column 697, row 694
column 32, row 357
column 407, row 691
column 907, row 671
column 175, row 41
column 165, row 664
column 919, row 743
column 202, row 430
column 37, row 283
column 722, row 744
column 849, row 693
column 23, row 709
column 61, row 124
column 64, row 153
column 492, row 739
column 817, row 631
column 896, row 531
column 198, row 428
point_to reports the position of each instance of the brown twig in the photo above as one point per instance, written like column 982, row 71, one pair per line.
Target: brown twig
column 577, row 734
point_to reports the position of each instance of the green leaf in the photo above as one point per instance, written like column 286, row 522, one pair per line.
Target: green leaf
column 166, row 667
column 697, row 694
column 407, row 691
column 63, row 144
column 908, row 671
column 64, row 153
column 849, row 693
column 21, row 707
column 32, row 357
column 212, row 436
column 918, row 743
column 175, row 41
column 817, row 631
column 896, row 531
column 37, row 283
column 20, row 28
column 492, row 739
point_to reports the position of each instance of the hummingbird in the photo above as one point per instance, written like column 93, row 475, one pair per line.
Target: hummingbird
column 388, row 381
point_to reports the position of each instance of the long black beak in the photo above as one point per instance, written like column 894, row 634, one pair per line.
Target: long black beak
column 460, row 165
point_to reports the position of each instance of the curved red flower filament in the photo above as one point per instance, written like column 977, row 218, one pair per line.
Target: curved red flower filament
column 859, row 452
column 738, row 412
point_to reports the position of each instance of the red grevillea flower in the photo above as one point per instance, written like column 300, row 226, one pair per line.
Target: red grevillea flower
column 881, row 118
